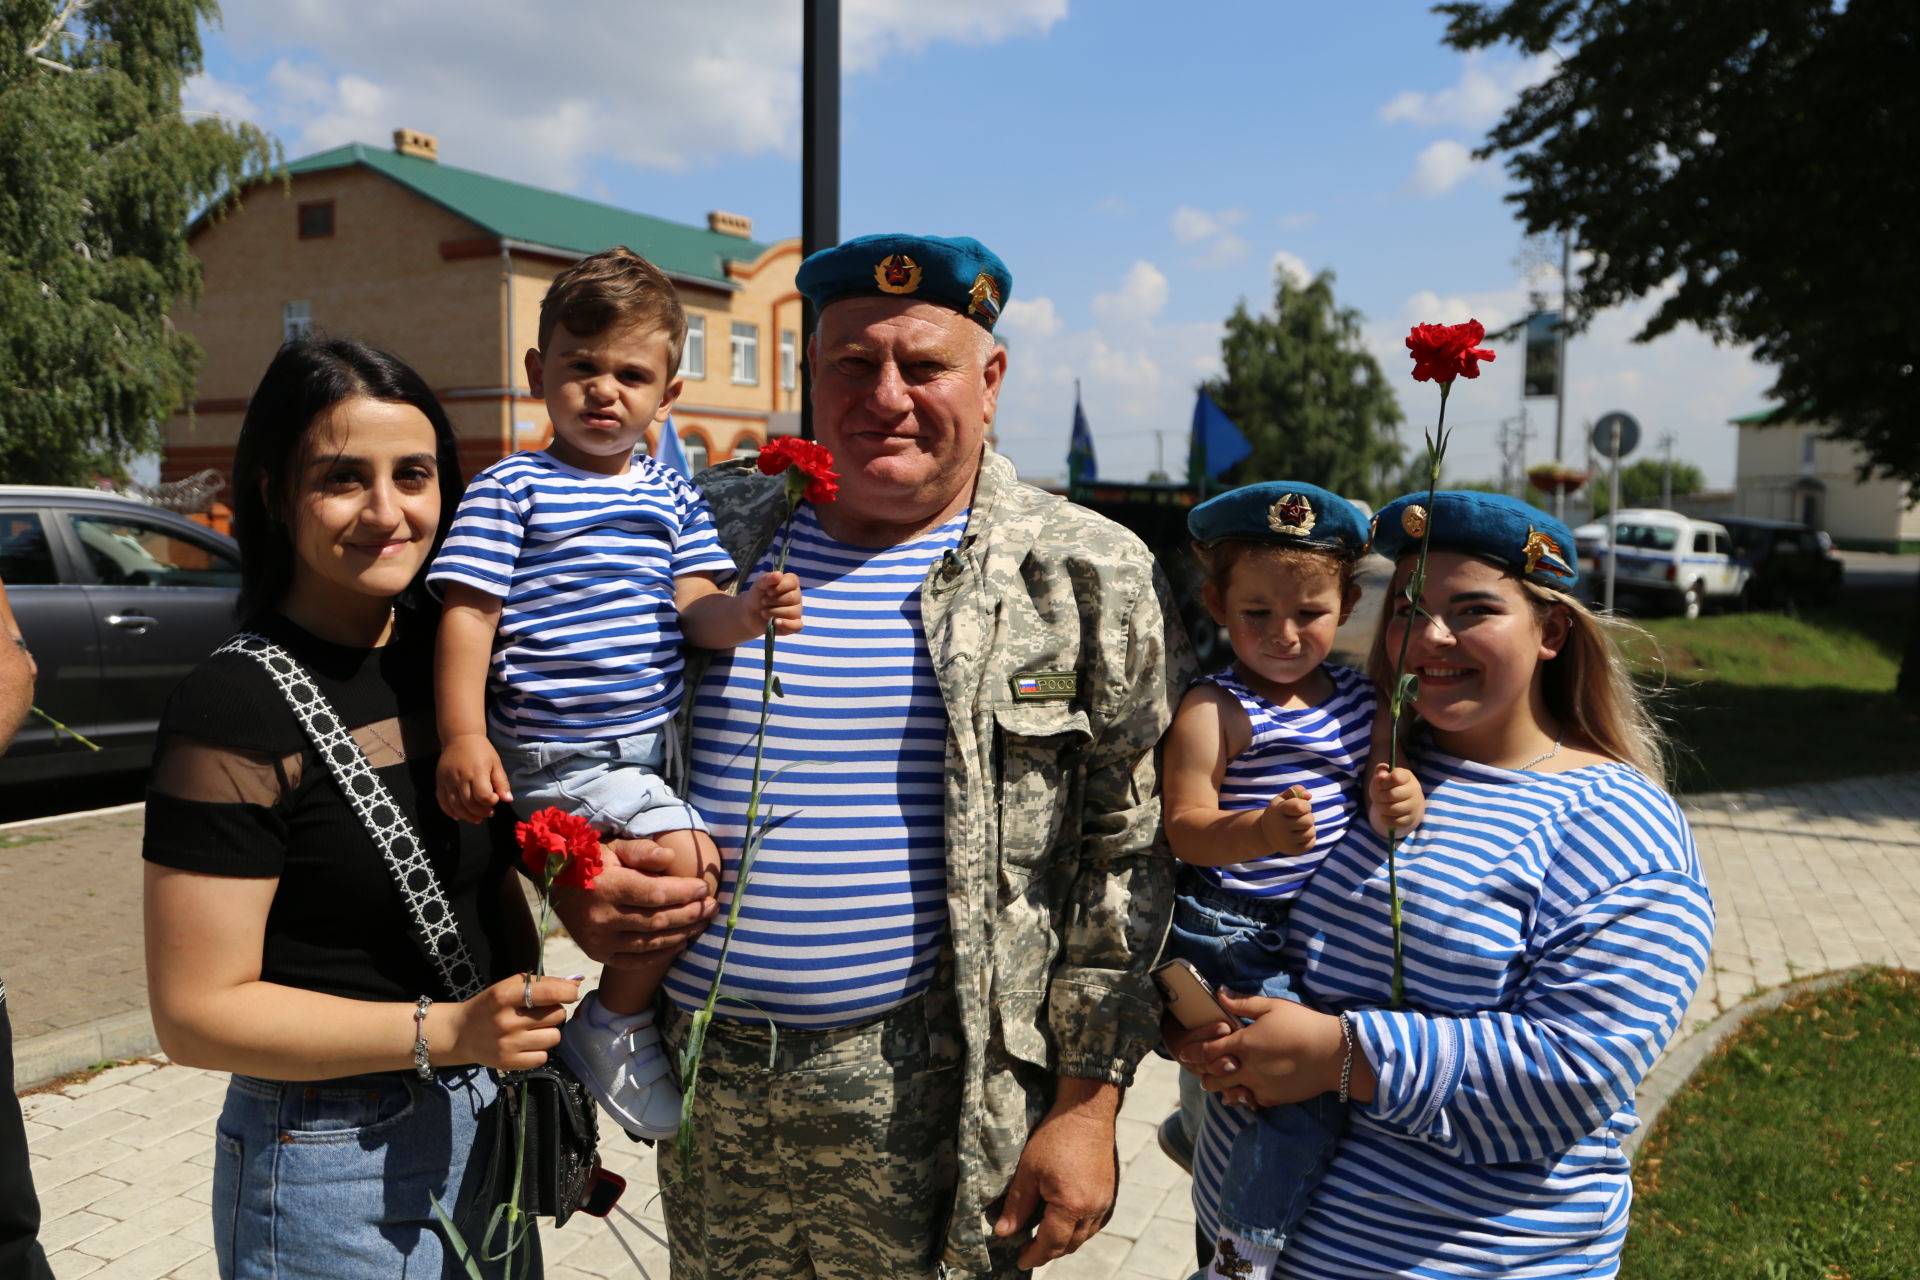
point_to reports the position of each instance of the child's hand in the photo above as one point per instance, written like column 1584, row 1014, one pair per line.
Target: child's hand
column 1394, row 799
column 1287, row 823
column 775, row 598
column 470, row 779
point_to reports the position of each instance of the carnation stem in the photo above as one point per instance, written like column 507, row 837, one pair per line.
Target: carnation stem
column 1400, row 693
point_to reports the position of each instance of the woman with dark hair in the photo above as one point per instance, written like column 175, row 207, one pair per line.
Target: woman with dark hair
column 1555, row 924
column 280, row 945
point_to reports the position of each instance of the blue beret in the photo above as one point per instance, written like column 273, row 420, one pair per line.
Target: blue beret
column 960, row 273
column 1505, row 530
column 1283, row 512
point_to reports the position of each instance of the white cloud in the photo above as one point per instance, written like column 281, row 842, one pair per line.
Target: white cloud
column 1441, row 167
column 1212, row 230
column 1294, row 266
column 203, row 94
column 1138, row 300
column 549, row 96
column 873, row 29
column 1030, row 318
column 1485, row 89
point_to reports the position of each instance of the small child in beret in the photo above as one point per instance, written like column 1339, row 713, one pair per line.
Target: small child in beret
column 1264, row 769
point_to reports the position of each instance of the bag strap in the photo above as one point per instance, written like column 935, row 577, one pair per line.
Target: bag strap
column 434, row 925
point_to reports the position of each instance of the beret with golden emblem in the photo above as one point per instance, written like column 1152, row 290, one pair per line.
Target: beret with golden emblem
column 956, row 272
column 1283, row 512
column 1493, row 526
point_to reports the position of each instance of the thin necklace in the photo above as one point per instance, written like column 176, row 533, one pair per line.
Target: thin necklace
column 1548, row 754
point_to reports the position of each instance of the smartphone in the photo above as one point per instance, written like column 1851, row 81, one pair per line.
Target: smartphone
column 1189, row 996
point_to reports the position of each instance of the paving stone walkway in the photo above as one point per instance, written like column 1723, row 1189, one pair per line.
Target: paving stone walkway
column 1807, row 879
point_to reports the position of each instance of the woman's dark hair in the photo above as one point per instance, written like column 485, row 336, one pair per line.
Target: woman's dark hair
column 308, row 377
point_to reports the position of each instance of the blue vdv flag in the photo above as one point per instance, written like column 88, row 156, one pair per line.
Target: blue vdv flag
column 1081, row 466
column 1216, row 443
column 670, row 453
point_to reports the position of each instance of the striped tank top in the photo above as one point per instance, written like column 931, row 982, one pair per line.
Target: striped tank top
column 1322, row 748
column 845, row 908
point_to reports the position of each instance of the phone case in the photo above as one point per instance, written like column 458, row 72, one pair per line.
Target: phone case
column 1189, row 997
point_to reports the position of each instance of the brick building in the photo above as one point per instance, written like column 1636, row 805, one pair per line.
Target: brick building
column 445, row 267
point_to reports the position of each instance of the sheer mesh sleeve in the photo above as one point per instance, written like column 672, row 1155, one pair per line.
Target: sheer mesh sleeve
column 217, row 809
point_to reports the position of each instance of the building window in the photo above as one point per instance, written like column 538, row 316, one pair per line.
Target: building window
column 693, row 356
column 1806, row 450
column 296, row 320
column 746, row 353
column 694, row 446
column 789, row 369
column 747, row 446
column 316, row 220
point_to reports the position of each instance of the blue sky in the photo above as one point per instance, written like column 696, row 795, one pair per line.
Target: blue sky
column 1141, row 168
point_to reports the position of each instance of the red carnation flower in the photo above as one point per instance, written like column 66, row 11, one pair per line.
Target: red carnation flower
column 561, row 846
column 810, row 458
column 1443, row 352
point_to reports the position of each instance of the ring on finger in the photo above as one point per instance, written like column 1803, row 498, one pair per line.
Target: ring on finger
column 526, row 989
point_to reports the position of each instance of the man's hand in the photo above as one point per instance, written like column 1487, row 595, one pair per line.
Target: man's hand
column 632, row 908
column 1069, row 1173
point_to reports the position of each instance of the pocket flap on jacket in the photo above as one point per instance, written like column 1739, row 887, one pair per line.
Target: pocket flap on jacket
column 1044, row 720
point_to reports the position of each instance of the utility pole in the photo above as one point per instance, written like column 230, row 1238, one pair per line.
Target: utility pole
column 819, row 160
column 1666, row 472
column 1560, row 361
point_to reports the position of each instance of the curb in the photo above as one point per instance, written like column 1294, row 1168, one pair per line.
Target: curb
column 48, row 1057
column 1679, row 1062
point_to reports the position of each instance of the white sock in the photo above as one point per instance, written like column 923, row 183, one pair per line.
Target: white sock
column 1236, row 1259
column 601, row 1018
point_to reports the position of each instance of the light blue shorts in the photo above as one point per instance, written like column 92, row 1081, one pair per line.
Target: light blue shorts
column 614, row 783
column 335, row 1179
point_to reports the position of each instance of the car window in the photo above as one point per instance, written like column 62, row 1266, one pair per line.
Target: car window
column 1722, row 544
column 1653, row 537
column 1702, row 541
column 25, row 558
column 132, row 553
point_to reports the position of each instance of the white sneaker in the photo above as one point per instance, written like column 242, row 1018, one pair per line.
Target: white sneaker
column 626, row 1070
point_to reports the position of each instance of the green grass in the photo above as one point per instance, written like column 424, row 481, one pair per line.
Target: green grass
column 1762, row 699
column 1791, row 1154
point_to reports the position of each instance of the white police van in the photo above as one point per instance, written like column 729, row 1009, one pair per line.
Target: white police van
column 1684, row 563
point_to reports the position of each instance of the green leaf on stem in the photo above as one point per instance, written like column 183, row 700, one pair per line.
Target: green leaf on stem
column 778, row 692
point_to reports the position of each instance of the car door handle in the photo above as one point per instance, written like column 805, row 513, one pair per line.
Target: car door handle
column 134, row 622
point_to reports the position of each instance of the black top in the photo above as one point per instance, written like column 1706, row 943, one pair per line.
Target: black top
column 238, row 790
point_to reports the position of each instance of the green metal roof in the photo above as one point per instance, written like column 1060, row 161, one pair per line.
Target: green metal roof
column 548, row 219
column 1775, row 416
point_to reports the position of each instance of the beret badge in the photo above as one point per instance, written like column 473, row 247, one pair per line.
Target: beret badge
column 1540, row 549
column 983, row 299
column 1414, row 520
column 1292, row 514
column 897, row 273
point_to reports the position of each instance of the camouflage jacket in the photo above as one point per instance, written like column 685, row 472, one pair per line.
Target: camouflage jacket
column 1061, row 659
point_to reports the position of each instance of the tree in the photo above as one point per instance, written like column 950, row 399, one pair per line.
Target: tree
column 1641, row 484
column 100, row 173
column 1307, row 395
column 1751, row 165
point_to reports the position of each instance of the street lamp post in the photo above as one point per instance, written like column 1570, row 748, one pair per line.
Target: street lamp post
column 819, row 160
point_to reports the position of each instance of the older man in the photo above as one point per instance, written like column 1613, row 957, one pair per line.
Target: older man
column 938, row 985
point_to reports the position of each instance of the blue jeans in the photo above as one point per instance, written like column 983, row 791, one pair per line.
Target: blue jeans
column 1277, row 1163
column 331, row 1179
column 615, row 784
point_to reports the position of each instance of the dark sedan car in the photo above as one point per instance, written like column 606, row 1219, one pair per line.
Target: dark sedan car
column 1790, row 562
column 117, row 600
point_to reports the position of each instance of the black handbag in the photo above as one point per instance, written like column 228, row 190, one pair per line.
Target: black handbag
column 558, row 1167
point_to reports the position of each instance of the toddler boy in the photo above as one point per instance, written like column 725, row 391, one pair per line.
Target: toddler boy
column 571, row 576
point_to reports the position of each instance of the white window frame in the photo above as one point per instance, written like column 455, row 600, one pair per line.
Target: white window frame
column 693, row 353
column 695, row 448
column 746, row 354
column 296, row 319
column 789, row 359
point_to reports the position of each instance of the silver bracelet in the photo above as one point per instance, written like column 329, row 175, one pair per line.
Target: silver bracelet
column 424, row 1069
column 1346, row 1063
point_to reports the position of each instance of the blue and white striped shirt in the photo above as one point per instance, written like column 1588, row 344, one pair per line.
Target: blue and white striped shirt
column 1322, row 748
column 584, row 565
column 1555, row 928
column 845, row 908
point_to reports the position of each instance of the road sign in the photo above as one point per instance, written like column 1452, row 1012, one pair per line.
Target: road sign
column 1603, row 435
